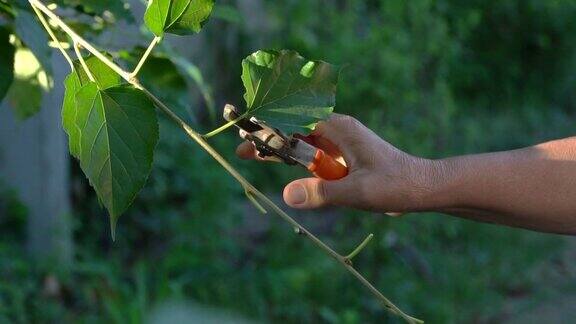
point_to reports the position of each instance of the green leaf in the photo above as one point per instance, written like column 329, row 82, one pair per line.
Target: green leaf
column 25, row 93
column 287, row 91
column 118, row 132
column 181, row 17
column 6, row 9
column 25, row 97
column 156, row 15
column 72, row 85
column 6, row 62
column 34, row 37
column 104, row 76
column 192, row 19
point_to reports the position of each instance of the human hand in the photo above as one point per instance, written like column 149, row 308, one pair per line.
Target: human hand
column 381, row 177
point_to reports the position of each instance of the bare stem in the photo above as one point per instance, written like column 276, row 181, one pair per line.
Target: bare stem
column 83, row 62
column 144, row 57
column 359, row 248
column 199, row 139
column 53, row 36
column 223, row 127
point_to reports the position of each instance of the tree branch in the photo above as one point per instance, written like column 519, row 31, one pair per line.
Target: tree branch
column 76, row 38
column 199, row 139
column 255, row 202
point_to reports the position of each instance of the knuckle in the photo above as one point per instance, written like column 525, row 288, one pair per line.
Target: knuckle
column 320, row 128
column 322, row 193
column 345, row 121
column 354, row 123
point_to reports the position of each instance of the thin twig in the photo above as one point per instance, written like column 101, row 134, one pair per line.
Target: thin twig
column 224, row 127
column 83, row 62
column 75, row 37
column 53, row 36
column 359, row 248
column 144, row 57
column 199, row 139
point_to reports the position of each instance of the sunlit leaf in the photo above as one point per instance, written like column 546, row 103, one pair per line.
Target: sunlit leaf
column 287, row 91
column 118, row 130
column 6, row 62
column 181, row 17
column 156, row 15
column 72, row 85
column 104, row 76
column 30, row 80
column 192, row 19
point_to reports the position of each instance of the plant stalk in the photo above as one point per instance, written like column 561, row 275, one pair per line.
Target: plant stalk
column 224, row 127
column 200, row 140
column 76, row 38
column 83, row 62
column 358, row 249
column 144, row 57
column 53, row 36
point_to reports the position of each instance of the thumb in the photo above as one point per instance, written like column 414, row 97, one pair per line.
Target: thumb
column 313, row 193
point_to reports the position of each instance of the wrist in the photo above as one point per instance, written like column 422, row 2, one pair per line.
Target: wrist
column 437, row 185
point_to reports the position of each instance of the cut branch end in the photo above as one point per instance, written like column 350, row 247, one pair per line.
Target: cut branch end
column 358, row 249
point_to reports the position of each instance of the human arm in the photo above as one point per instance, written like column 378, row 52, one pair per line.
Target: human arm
column 533, row 188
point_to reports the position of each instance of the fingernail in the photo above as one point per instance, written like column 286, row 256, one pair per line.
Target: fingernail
column 297, row 195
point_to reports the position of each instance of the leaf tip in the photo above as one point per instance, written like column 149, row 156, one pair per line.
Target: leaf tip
column 113, row 222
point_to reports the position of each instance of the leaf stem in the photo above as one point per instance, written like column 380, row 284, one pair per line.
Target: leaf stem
column 53, row 36
column 83, row 62
column 224, row 127
column 201, row 141
column 76, row 38
column 359, row 248
column 144, row 57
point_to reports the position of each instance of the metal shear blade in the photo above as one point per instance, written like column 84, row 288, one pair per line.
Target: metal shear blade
column 269, row 142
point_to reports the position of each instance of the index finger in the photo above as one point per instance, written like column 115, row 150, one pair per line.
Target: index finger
column 246, row 151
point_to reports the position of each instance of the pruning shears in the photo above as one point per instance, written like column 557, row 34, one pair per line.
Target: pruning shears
column 272, row 144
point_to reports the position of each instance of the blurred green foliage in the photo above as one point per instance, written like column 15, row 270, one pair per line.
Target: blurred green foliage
column 435, row 78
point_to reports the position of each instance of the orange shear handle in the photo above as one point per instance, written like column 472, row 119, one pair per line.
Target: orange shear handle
column 327, row 167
